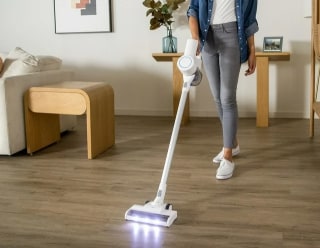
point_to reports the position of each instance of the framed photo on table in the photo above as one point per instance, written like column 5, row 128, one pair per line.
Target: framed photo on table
column 272, row 44
column 82, row 16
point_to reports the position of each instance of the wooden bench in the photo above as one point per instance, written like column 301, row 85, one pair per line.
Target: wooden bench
column 44, row 104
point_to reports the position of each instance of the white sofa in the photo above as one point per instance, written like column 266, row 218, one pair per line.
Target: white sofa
column 19, row 73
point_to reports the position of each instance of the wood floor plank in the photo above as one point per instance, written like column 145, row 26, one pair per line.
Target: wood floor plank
column 59, row 198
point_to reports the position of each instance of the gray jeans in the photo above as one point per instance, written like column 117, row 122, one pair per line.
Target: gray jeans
column 221, row 61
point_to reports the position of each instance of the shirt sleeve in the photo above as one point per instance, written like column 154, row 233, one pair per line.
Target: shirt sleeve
column 193, row 9
column 250, row 20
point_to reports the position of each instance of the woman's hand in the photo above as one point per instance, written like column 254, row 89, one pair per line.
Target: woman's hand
column 251, row 64
column 252, row 57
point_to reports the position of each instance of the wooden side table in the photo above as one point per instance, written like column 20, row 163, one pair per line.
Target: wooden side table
column 263, row 59
column 43, row 105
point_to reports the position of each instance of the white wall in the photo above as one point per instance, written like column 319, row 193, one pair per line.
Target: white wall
column 142, row 85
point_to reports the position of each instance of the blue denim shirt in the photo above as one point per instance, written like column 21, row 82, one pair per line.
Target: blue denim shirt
column 246, row 20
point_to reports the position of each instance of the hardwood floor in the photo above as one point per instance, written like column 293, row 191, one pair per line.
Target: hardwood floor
column 59, row 198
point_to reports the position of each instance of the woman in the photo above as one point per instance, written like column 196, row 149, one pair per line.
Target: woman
column 225, row 30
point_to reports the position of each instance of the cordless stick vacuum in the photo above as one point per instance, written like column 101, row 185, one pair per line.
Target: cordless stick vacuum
column 157, row 212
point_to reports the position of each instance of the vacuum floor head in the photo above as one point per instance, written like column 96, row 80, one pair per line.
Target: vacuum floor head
column 161, row 215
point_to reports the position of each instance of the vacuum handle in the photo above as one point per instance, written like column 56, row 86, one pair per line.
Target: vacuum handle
column 191, row 48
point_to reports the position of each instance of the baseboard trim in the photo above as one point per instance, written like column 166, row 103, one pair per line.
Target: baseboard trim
column 208, row 113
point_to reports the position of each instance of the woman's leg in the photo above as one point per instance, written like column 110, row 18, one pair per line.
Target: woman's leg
column 221, row 57
column 210, row 57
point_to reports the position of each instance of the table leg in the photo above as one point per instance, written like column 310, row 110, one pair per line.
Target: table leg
column 177, row 89
column 100, row 120
column 41, row 129
column 262, row 92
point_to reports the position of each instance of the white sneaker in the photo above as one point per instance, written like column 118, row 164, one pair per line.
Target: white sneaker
column 225, row 169
column 217, row 159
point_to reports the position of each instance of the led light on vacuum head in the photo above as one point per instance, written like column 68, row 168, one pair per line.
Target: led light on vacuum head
column 151, row 214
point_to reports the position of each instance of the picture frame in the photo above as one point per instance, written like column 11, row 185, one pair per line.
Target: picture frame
column 272, row 44
column 82, row 16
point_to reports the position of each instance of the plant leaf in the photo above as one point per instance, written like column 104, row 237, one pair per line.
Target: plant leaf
column 161, row 12
column 147, row 3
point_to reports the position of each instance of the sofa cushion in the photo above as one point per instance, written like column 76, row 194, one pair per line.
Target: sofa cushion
column 18, row 62
column 48, row 63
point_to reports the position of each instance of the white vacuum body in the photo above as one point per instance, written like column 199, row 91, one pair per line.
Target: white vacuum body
column 189, row 64
column 157, row 212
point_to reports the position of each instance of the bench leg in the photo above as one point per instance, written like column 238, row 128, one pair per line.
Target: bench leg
column 41, row 129
column 100, row 121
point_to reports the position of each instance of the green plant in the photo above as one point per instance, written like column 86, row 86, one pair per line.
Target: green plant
column 161, row 12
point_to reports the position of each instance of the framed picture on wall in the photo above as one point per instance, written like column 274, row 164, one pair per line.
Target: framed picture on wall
column 82, row 16
column 272, row 44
